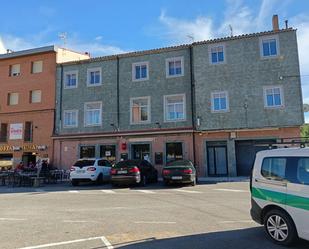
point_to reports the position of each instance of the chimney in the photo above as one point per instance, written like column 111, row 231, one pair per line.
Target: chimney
column 275, row 23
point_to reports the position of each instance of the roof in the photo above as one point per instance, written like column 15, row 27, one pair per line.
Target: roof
column 29, row 52
column 177, row 47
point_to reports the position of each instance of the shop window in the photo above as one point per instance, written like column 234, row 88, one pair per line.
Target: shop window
column 108, row 152
column 87, row 152
column 28, row 132
column 4, row 132
column 173, row 152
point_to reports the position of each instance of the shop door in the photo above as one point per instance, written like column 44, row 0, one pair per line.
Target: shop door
column 141, row 152
column 27, row 158
column 217, row 160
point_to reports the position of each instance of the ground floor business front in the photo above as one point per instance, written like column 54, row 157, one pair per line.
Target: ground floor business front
column 215, row 153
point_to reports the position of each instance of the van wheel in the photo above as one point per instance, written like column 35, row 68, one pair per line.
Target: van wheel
column 75, row 183
column 143, row 181
column 280, row 227
column 100, row 179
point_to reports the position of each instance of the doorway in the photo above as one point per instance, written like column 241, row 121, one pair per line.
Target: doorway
column 141, row 151
column 28, row 157
column 217, row 158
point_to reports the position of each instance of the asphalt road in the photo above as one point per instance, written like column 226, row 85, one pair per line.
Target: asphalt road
column 214, row 216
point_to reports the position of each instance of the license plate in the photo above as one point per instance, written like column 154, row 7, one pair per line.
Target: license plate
column 80, row 171
column 122, row 171
column 176, row 177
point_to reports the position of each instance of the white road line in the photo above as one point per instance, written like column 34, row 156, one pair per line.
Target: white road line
column 145, row 191
column 108, row 191
column 12, row 219
column 102, row 238
column 231, row 190
column 188, row 191
column 77, row 221
column 236, row 221
column 73, row 191
column 154, row 222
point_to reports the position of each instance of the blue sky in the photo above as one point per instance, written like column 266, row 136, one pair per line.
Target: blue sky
column 107, row 27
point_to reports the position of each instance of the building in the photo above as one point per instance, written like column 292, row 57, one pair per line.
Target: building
column 27, row 102
column 215, row 102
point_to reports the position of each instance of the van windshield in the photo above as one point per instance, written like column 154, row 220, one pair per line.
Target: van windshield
column 84, row 163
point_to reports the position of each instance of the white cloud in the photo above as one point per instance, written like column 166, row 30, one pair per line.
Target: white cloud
column 2, row 47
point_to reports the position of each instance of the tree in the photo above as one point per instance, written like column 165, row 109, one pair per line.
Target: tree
column 306, row 107
column 304, row 131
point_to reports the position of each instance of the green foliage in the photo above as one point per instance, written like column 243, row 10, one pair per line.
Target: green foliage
column 306, row 107
column 305, row 130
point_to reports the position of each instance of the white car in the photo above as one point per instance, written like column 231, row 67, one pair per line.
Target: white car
column 280, row 193
column 90, row 169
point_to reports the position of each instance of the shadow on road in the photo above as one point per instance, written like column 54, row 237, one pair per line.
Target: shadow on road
column 250, row 238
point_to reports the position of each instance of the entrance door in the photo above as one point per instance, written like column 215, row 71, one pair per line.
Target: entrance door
column 141, row 151
column 28, row 157
column 217, row 160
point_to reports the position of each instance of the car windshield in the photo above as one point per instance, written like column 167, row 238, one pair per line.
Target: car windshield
column 180, row 163
column 128, row 163
column 83, row 163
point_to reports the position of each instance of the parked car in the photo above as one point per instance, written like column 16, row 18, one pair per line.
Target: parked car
column 90, row 169
column 180, row 171
column 133, row 172
column 280, row 193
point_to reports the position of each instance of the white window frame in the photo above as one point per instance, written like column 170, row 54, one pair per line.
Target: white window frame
column 142, row 63
column 9, row 101
column 165, row 97
column 94, row 69
column 213, row 102
column 32, row 65
column 70, row 111
column 14, row 74
column 148, row 110
column 65, row 78
column 173, row 59
column 270, row 37
column 211, row 46
column 265, row 88
column 31, row 94
column 85, row 109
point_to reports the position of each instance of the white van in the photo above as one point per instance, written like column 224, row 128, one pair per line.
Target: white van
column 280, row 193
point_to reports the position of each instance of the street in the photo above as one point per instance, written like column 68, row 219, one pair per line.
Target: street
column 213, row 215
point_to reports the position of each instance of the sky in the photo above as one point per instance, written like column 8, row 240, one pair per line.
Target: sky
column 104, row 27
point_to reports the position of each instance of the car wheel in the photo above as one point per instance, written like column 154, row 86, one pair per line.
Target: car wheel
column 193, row 183
column 115, row 185
column 280, row 227
column 166, row 183
column 143, row 181
column 99, row 179
column 75, row 183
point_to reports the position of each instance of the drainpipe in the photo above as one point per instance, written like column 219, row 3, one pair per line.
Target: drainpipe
column 60, row 98
column 118, row 107
column 192, row 83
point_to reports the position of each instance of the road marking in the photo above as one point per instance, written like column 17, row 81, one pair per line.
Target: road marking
column 154, row 222
column 231, row 190
column 73, row 191
column 236, row 221
column 77, row 221
column 107, row 244
column 146, row 191
column 12, row 219
column 108, row 191
column 188, row 191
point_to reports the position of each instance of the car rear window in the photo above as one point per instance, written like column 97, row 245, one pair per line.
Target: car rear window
column 84, row 163
column 129, row 163
column 179, row 163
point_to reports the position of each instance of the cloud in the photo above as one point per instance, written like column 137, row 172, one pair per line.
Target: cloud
column 99, row 38
column 2, row 47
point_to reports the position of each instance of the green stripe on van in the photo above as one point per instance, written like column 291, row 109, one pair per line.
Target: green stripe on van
column 281, row 198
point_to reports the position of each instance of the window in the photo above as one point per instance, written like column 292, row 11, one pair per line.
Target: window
column 93, row 113
column 273, row 97
column 87, row 152
column 173, row 152
column 15, row 70
column 303, row 171
column 174, row 107
column 140, row 71
column 104, row 163
column 94, row 77
column 269, row 46
column 174, row 67
column 37, row 66
column 28, row 132
column 70, row 79
column 140, row 110
column 219, row 102
column 35, row 96
column 70, row 118
column 13, row 98
column 217, row 54
column 108, row 152
column 3, row 132
column 274, row 168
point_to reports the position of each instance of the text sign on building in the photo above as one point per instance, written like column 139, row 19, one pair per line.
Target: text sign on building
column 16, row 131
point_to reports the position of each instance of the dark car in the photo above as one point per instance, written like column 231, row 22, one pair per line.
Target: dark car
column 133, row 172
column 181, row 171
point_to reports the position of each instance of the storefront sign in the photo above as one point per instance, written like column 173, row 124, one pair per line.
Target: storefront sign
column 6, row 148
column 28, row 147
column 16, row 131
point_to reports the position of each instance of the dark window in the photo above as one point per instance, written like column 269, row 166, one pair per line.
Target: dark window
column 108, row 152
column 28, row 132
column 173, row 152
column 298, row 170
column 181, row 163
column 4, row 132
column 127, row 163
column 274, row 168
column 84, row 163
column 87, row 151
column 104, row 163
